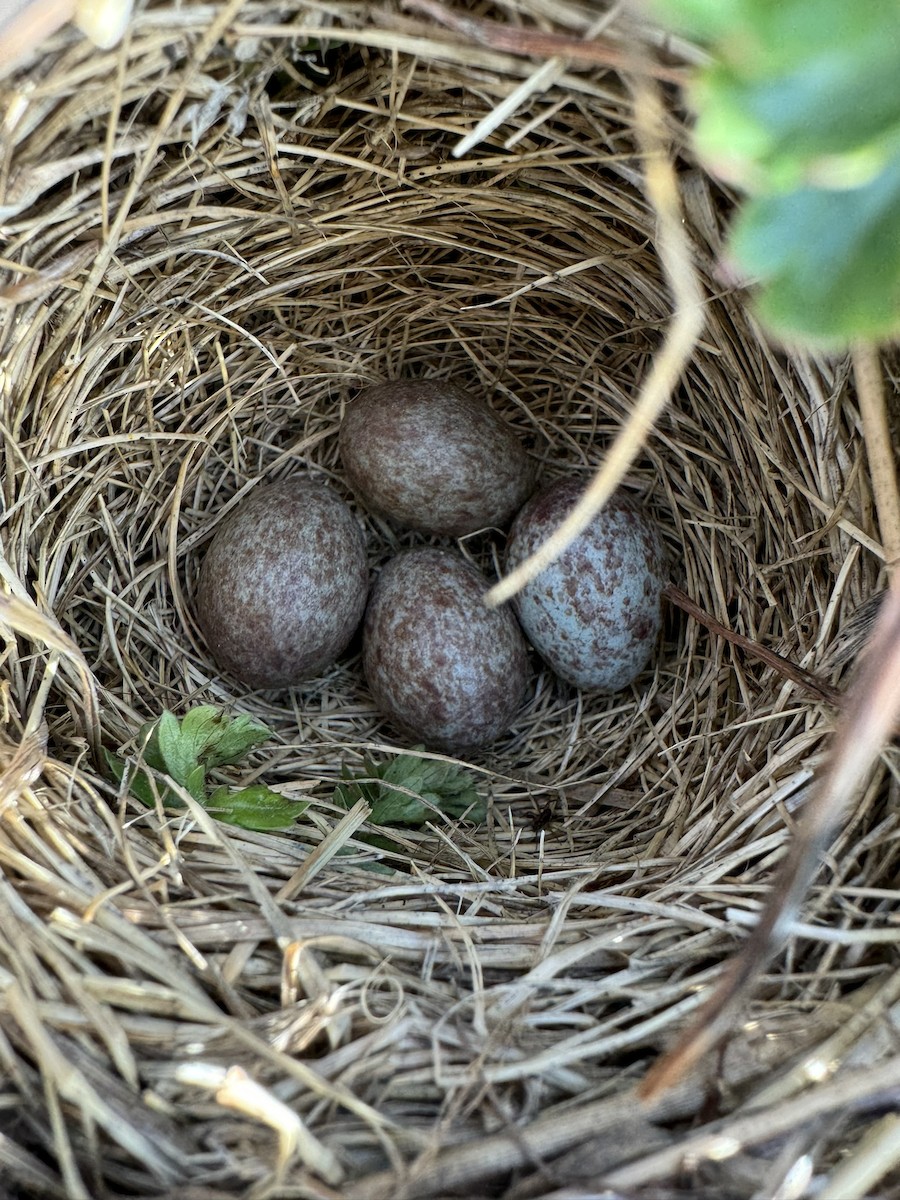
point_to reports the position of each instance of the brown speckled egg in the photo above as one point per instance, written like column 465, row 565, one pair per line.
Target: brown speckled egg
column 595, row 614
column 432, row 457
column 442, row 666
column 283, row 585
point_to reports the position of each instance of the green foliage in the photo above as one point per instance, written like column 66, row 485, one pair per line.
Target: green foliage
column 185, row 750
column 254, row 807
column 831, row 259
column 409, row 790
column 800, row 107
column 203, row 734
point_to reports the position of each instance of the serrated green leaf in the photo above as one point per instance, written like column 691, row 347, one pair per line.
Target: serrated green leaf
column 829, row 260
column 200, row 728
column 394, row 807
column 255, row 807
column 197, row 720
column 234, row 739
column 409, row 790
column 184, row 750
column 205, row 734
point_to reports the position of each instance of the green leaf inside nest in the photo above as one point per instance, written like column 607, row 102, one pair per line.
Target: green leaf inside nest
column 184, row 750
column 256, row 807
column 409, row 790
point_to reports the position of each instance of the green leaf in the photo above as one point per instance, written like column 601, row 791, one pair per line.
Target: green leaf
column 770, row 35
column 772, row 135
column 114, row 765
column 195, row 783
column 148, row 742
column 207, row 735
column 797, row 90
column 184, row 750
column 176, row 751
column 409, row 790
column 699, row 19
column 234, row 739
column 829, row 261
column 140, row 785
column 203, row 735
column 255, row 807
column 200, row 728
column 799, row 105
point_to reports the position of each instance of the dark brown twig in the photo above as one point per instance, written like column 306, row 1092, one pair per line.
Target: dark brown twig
column 803, row 678
column 536, row 43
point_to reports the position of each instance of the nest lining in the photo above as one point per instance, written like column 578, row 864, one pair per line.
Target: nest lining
column 503, row 974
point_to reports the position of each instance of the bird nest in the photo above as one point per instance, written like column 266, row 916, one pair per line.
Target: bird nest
column 214, row 234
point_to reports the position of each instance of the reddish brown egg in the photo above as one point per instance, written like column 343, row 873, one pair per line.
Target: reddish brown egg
column 283, row 585
column 432, row 457
column 446, row 670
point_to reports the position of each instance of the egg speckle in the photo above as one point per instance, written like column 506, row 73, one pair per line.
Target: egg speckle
column 283, row 585
column 441, row 666
column 595, row 614
column 433, row 458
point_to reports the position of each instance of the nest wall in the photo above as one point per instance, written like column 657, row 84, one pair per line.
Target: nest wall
column 290, row 224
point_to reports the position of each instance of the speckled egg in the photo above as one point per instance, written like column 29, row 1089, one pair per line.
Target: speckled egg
column 445, row 669
column 594, row 615
column 283, row 585
column 433, row 457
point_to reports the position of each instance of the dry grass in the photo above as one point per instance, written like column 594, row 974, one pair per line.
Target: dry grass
column 208, row 244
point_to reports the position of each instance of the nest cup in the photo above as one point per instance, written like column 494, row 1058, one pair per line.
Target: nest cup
column 222, row 234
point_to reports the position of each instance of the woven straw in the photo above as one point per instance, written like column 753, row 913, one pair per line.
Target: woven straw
column 212, row 235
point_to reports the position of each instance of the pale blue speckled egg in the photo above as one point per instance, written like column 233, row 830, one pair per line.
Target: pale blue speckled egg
column 594, row 615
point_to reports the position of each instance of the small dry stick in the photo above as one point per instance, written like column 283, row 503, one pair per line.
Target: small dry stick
column 805, row 679
column 536, row 43
column 864, row 1167
column 879, row 448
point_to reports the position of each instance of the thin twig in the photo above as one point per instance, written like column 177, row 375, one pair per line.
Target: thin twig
column 865, row 1166
column 880, row 448
column 805, row 679
column 536, row 43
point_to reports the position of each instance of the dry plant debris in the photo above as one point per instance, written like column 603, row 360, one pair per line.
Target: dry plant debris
column 211, row 235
